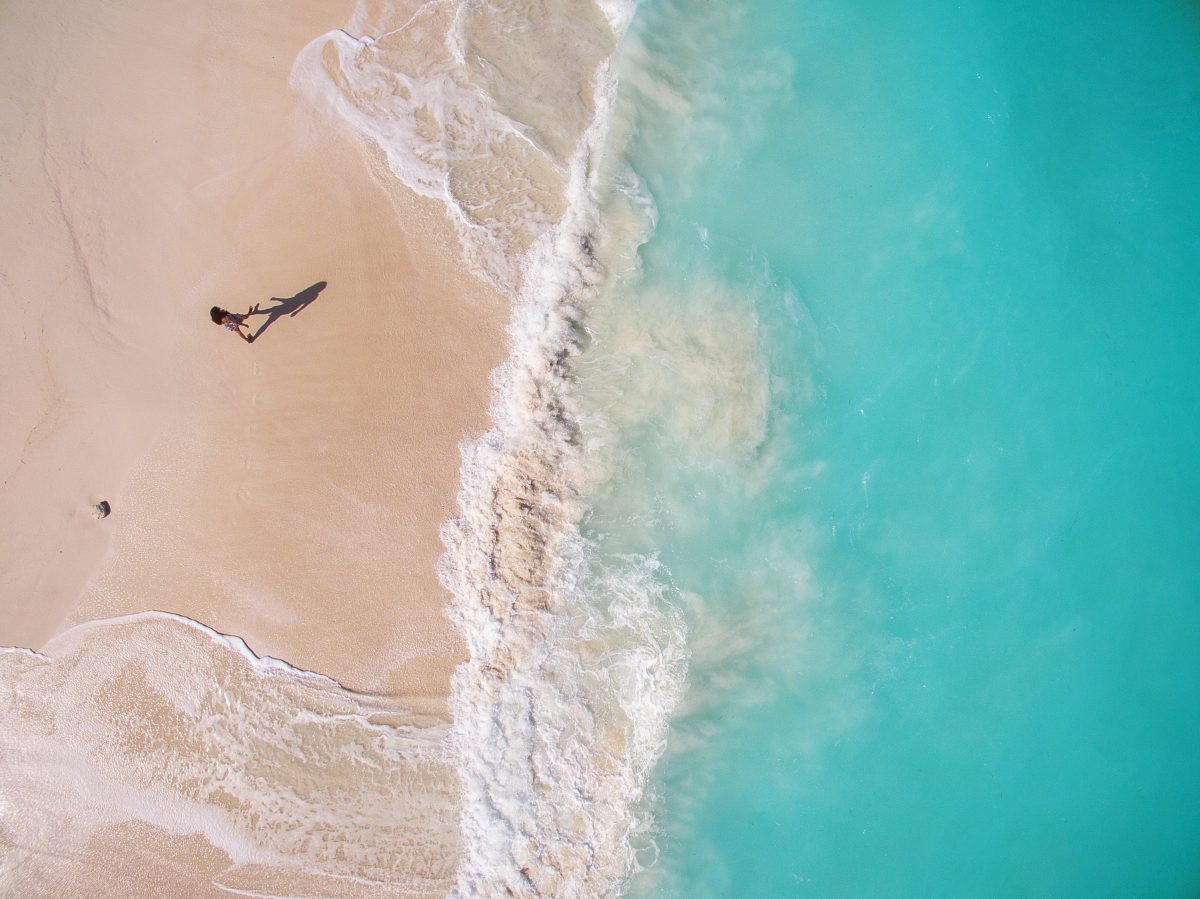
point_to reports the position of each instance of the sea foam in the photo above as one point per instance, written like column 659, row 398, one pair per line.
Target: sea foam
column 154, row 719
column 560, row 713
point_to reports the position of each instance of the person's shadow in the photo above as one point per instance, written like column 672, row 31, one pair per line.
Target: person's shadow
column 290, row 306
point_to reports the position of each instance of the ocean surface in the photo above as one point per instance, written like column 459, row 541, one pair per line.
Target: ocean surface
column 903, row 392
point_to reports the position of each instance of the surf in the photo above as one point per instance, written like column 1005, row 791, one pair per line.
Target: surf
column 575, row 660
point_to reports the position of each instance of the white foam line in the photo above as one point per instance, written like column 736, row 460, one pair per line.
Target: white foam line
column 237, row 892
column 69, row 639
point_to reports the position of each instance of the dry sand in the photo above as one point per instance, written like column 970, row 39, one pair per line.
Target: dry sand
column 289, row 491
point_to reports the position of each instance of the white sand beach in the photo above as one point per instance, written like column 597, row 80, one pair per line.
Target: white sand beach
column 287, row 492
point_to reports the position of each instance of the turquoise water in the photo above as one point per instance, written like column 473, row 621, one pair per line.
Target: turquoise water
column 903, row 395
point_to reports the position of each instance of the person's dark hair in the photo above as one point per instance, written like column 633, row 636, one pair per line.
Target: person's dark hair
column 217, row 314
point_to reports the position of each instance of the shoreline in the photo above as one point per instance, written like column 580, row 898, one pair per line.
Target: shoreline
column 561, row 709
column 300, row 493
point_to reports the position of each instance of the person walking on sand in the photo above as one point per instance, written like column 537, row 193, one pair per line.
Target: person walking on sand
column 233, row 321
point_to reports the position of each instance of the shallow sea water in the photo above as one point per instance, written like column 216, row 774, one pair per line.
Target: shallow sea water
column 900, row 391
